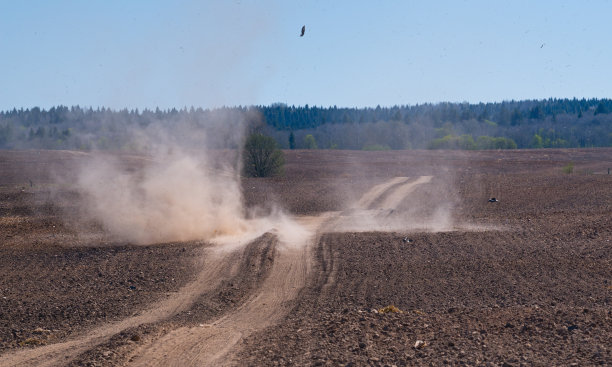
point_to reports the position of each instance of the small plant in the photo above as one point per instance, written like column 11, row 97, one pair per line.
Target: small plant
column 389, row 308
column 569, row 168
column 32, row 341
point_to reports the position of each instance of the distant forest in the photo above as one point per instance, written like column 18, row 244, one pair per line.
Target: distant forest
column 551, row 123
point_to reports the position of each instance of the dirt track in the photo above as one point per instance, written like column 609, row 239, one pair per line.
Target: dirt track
column 58, row 353
column 212, row 344
column 209, row 344
column 523, row 281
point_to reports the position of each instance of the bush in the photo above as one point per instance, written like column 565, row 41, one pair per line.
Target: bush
column 390, row 308
column 569, row 168
column 261, row 157
column 488, row 142
column 375, row 147
column 465, row 142
column 310, row 142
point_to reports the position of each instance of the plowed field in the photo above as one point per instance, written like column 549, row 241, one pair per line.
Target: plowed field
column 526, row 280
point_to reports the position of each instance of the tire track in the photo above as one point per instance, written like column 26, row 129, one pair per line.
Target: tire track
column 216, row 266
column 210, row 345
column 398, row 193
column 217, row 343
column 377, row 208
column 377, row 191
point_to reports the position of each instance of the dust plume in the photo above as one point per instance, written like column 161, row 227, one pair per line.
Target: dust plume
column 291, row 233
column 174, row 197
column 416, row 195
column 176, row 188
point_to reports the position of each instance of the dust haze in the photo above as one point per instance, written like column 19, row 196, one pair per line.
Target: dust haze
column 183, row 184
column 400, row 204
column 181, row 181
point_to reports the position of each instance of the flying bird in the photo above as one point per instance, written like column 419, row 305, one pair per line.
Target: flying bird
column 542, row 45
column 303, row 31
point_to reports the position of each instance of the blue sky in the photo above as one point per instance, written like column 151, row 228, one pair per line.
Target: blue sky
column 147, row 54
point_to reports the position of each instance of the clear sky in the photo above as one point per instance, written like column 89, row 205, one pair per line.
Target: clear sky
column 153, row 53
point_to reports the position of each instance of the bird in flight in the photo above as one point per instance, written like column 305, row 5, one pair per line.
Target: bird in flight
column 303, row 31
column 542, row 45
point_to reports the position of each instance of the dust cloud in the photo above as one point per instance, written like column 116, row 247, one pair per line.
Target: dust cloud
column 182, row 185
column 180, row 181
column 174, row 197
column 400, row 204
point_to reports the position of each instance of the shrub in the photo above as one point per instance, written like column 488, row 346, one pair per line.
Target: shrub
column 488, row 142
column 390, row 308
column 261, row 156
column 310, row 142
column 569, row 168
column 373, row 147
column 465, row 142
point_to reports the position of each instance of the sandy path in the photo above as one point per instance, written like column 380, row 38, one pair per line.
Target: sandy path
column 377, row 208
column 399, row 193
column 377, row 191
column 209, row 344
column 215, row 343
column 215, row 268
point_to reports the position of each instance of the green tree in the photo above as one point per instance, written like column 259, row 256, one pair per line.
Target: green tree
column 6, row 133
column 465, row 142
column 516, row 117
column 397, row 115
column 375, row 147
column 310, row 142
column 40, row 133
column 601, row 108
column 537, row 141
column 488, row 142
column 536, row 113
column 261, row 156
column 291, row 141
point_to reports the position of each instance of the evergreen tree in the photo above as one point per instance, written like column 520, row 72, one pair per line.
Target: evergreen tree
column 536, row 113
column 291, row 141
column 601, row 108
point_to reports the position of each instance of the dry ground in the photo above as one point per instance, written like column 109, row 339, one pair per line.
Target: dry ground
column 524, row 281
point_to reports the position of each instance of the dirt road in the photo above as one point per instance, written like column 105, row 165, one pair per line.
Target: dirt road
column 214, row 265
column 212, row 343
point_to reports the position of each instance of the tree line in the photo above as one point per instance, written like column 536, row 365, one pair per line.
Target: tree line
column 502, row 125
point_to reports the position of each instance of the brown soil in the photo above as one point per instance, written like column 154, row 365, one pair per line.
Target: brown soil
column 524, row 281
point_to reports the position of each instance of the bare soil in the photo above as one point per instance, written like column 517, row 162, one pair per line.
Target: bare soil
column 523, row 281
